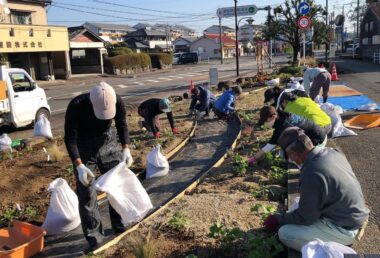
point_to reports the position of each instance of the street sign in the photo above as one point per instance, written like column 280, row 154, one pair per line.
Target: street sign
column 303, row 8
column 243, row 10
column 304, row 22
column 213, row 76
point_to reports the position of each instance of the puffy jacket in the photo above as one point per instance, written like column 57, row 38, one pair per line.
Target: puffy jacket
column 226, row 102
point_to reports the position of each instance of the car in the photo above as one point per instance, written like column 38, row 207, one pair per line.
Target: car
column 352, row 47
column 186, row 58
column 176, row 57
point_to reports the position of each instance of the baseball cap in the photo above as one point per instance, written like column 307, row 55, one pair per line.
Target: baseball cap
column 265, row 113
column 103, row 99
column 165, row 105
column 290, row 135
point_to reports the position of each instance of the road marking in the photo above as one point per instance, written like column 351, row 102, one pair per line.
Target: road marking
column 152, row 81
column 178, row 77
column 139, row 83
column 58, row 110
column 76, row 93
column 122, row 86
column 163, row 78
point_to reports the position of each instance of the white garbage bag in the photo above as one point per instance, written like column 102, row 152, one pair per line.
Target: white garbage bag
column 320, row 249
column 368, row 107
column 5, row 143
column 43, row 128
column 63, row 212
column 295, row 204
column 125, row 193
column 274, row 82
column 157, row 165
column 295, row 85
column 338, row 129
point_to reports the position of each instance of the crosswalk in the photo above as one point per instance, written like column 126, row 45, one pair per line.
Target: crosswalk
column 159, row 79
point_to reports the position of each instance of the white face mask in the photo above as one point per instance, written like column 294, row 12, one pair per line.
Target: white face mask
column 269, row 124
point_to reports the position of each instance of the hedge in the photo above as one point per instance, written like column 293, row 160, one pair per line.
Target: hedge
column 120, row 51
column 129, row 61
column 293, row 70
column 164, row 58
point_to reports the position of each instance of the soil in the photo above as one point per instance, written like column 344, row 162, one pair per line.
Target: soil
column 26, row 174
column 222, row 197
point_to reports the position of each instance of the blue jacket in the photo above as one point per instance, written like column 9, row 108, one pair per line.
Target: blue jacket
column 205, row 97
column 226, row 102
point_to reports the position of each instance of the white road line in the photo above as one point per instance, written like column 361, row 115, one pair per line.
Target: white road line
column 122, row 86
column 178, row 77
column 152, row 81
column 139, row 83
column 163, row 78
column 76, row 93
column 58, row 110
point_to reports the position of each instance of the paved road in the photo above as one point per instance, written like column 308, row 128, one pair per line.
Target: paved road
column 363, row 150
column 135, row 90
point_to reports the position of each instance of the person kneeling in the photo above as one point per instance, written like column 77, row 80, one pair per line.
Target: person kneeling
column 224, row 106
column 331, row 206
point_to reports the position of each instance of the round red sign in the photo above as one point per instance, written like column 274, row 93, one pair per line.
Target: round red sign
column 304, row 22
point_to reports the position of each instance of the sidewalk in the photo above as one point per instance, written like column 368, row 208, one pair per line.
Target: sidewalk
column 363, row 150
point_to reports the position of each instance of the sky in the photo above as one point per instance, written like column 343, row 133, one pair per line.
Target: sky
column 195, row 14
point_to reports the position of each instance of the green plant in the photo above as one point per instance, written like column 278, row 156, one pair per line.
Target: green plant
column 30, row 212
column 164, row 58
column 8, row 216
column 263, row 247
column 226, row 237
column 285, row 77
column 277, row 173
column 55, row 153
column 136, row 144
column 239, row 164
column 69, row 170
column 263, row 210
column 293, row 70
column 145, row 247
column 167, row 133
column 179, row 222
column 272, row 159
column 191, row 256
column 261, row 192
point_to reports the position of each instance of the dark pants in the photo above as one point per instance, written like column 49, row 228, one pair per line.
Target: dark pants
column 208, row 108
column 147, row 119
column 104, row 153
column 222, row 115
column 321, row 81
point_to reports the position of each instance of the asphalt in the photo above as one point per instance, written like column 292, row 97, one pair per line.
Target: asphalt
column 363, row 151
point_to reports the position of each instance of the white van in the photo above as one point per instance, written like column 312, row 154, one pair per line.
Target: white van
column 21, row 101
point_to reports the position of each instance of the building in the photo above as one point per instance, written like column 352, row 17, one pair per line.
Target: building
column 208, row 47
column 27, row 42
column 214, row 29
column 182, row 44
column 155, row 39
column 86, row 51
column 113, row 33
column 137, row 45
column 370, row 31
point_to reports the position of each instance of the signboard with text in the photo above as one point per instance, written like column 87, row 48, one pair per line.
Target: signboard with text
column 244, row 10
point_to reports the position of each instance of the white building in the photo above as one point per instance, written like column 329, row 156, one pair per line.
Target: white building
column 113, row 33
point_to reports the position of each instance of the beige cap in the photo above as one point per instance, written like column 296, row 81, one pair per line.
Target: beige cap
column 103, row 99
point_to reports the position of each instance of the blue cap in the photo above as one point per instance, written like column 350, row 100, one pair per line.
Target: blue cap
column 165, row 105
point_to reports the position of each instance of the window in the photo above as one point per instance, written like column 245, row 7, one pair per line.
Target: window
column 78, row 54
column 371, row 26
column 20, row 82
column 49, row 33
column 366, row 27
column 18, row 17
column 12, row 32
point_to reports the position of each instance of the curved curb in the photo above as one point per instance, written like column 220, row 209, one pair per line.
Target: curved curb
column 178, row 196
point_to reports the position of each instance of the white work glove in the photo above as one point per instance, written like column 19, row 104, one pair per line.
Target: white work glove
column 85, row 175
column 127, row 157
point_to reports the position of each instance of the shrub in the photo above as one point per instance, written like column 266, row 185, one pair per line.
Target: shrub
column 179, row 222
column 293, row 70
column 225, row 85
column 163, row 58
column 309, row 61
column 120, row 51
column 285, row 77
column 239, row 164
column 55, row 153
column 129, row 61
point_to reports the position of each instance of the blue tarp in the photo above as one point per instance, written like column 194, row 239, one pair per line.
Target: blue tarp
column 351, row 102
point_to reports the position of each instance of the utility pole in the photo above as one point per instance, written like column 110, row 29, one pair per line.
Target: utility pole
column 328, row 29
column 357, row 22
column 220, row 40
column 236, row 41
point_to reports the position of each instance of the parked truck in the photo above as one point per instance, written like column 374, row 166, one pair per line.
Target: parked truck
column 21, row 100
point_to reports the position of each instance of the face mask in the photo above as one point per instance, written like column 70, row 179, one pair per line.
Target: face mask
column 269, row 124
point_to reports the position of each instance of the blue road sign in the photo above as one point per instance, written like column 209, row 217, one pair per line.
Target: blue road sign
column 304, row 8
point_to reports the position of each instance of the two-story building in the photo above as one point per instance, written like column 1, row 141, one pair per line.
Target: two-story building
column 155, row 39
column 27, row 42
column 214, row 29
column 370, row 32
column 113, row 33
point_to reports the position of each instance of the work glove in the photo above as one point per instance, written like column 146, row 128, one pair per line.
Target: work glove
column 271, row 223
column 252, row 161
column 175, row 130
column 156, row 135
column 127, row 157
column 325, row 99
column 85, row 175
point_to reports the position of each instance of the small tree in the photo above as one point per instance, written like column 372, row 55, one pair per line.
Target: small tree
column 283, row 24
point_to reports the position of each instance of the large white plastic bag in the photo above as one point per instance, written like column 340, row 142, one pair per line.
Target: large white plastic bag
column 295, row 204
column 125, row 193
column 5, row 142
column 43, row 128
column 338, row 129
column 295, row 85
column 157, row 165
column 63, row 212
column 274, row 82
column 320, row 249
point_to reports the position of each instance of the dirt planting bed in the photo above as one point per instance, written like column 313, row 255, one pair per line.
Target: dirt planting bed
column 26, row 174
column 223, row 216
